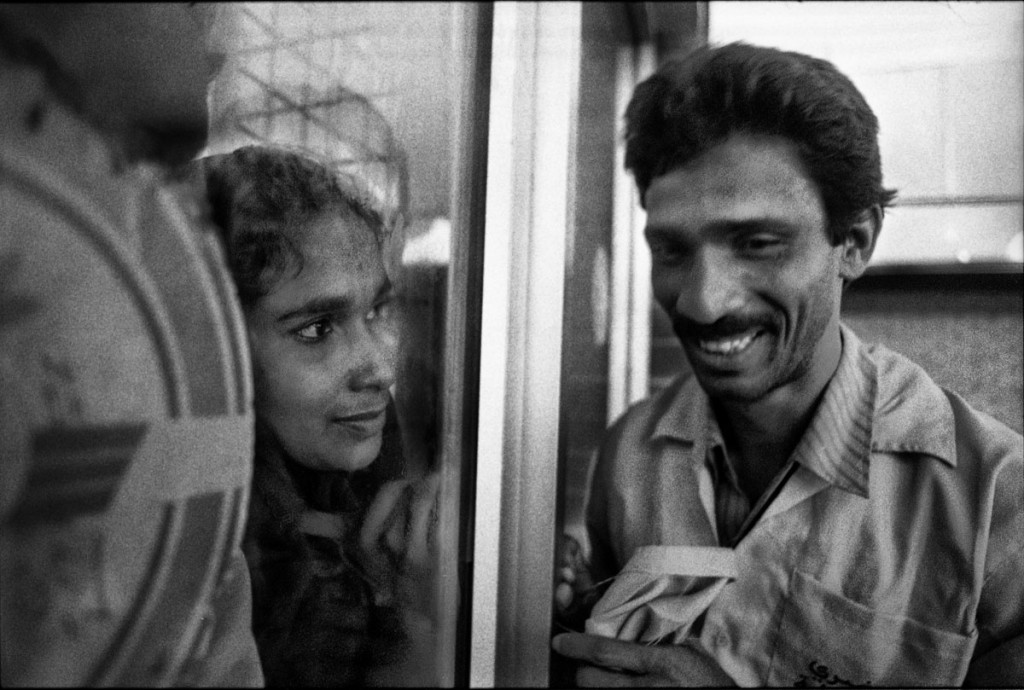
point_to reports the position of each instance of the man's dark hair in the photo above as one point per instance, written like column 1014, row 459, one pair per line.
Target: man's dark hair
column 261, row 197
column 694, row 103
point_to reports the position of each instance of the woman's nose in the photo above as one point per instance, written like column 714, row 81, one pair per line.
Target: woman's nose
column 377, row 355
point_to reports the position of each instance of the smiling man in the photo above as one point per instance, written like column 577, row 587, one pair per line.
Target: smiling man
column 875, row 518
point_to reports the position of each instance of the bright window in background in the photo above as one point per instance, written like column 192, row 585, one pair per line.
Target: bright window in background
column 945, row 80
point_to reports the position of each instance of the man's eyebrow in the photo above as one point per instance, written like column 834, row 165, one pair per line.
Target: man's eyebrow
column 768, row 223
column 331, row 304
column 759, row 225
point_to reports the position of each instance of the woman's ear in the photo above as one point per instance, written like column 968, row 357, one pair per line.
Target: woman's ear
column 859, row 243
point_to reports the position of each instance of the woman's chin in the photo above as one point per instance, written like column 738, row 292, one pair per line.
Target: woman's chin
column 333, row 453
column 358, row 456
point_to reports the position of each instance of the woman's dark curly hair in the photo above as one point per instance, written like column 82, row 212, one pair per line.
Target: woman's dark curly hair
column 694, row 103
column 262, row 197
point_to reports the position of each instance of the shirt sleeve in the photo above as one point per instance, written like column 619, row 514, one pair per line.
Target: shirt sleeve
column 1000, row 614
column 601, row 558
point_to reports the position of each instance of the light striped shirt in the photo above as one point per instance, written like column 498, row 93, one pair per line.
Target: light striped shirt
column 835, row 447
column 907, row 574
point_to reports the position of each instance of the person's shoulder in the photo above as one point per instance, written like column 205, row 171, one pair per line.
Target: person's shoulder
column 643, row 412
column 910, row 400
column 979, row 429
column 669, row 410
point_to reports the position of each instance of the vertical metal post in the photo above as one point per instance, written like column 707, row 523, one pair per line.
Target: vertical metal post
column 534, row 83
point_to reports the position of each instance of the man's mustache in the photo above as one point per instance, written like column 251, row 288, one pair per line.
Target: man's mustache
column 724, row 328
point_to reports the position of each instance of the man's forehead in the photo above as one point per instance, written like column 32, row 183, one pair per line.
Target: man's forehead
column 743, row 170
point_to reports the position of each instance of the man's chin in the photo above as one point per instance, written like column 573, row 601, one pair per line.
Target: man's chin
column 735, row 388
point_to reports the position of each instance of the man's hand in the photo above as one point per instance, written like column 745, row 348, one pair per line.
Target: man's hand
column 614, row 663
column 1002, row 667
column 575, row 593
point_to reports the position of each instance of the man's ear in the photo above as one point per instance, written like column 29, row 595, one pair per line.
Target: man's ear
column 859, row 243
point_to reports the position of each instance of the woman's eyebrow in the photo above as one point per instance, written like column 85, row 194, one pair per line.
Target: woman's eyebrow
column 333, row 304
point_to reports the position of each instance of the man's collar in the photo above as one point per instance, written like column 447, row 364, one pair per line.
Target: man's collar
column 876, row 401
column 837, row 443
column 912, row 413
column 686, row 415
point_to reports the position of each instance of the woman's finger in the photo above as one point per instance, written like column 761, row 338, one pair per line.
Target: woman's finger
column 382, row 513
column 424, row 508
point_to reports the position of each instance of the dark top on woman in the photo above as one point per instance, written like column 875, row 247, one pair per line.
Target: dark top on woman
column 320, row 616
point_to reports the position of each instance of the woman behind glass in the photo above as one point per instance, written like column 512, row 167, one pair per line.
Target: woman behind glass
column 337, row 536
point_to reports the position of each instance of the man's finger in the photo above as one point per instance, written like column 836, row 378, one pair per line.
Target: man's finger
column 604, row 651
column 570, row 550
column 594, row 677
column 564, row 596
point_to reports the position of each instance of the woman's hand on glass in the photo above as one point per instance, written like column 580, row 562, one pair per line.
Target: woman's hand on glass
column 398, row 538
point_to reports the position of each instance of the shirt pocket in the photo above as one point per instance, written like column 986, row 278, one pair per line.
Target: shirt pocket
column 827, row 640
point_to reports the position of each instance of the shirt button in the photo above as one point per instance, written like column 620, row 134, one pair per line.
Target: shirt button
column 721, row 639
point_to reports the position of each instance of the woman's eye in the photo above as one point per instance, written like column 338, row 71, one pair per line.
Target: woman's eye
column 315, row 331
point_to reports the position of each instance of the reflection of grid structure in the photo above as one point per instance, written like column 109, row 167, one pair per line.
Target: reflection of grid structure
column 286, row 80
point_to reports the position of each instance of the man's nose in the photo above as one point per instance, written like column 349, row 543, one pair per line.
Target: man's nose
column 377, row 354
column 709, row 289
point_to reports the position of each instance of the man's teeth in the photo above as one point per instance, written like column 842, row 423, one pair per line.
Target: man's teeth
column 727, row 347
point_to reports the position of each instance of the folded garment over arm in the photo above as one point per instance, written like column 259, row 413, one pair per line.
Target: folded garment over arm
column 661, row 592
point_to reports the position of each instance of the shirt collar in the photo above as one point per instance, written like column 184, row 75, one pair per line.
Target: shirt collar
column 912, row 413
column 891, row 406
column 686, row 414
column 837, row 443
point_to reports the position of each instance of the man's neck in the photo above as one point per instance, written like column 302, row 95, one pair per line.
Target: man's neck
column 760, row 436
column 759, row 440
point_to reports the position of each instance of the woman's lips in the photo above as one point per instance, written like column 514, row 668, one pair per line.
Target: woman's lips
column 362, row 425
column 361, row 416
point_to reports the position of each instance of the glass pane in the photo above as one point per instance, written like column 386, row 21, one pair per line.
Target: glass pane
column 587, row 284
column 606, row 61
column 379, row 92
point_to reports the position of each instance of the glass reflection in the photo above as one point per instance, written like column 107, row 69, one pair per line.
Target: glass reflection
column 374, row 93
column 337, row 537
